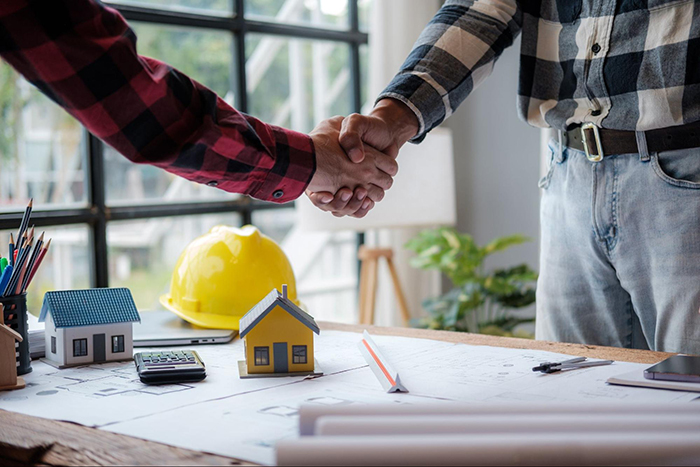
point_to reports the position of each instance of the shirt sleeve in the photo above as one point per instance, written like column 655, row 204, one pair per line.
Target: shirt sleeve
column 82, row 55
column 454, row 53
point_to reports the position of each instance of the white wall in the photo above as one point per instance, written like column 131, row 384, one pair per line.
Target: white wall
column 497, row 164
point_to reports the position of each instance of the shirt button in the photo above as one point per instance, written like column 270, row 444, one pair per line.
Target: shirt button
column 595, row 112
column 278, row 194
column 595, row 48
column 213, row 183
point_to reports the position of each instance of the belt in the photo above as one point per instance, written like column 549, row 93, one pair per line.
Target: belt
column 597, row 142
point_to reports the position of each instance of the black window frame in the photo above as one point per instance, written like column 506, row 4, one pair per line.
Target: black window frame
column 98, row 213
column 118, row 343
column 53, row 344
column 82, row 348
column 303, row 352
column 264, row 354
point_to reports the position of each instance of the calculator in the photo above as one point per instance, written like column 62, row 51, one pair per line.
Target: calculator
column 169, row 366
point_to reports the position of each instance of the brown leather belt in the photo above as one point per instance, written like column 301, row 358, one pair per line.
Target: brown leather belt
column 598, row 142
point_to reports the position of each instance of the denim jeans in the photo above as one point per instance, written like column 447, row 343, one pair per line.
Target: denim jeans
column 620, row 253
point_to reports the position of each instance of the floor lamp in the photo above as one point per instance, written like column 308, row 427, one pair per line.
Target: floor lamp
column 423, row 195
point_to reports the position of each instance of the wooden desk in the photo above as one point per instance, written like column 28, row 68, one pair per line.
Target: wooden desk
column 30, row 440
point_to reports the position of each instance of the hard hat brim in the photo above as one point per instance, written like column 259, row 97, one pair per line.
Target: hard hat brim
column 205, row 320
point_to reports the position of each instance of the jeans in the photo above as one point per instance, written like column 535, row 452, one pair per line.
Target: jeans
column 620, row 253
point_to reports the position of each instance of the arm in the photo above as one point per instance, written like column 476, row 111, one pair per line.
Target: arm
column 83, row 56
column 453, row 55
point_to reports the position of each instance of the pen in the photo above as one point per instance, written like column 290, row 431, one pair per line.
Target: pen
column 3, row 264
column 573, row 364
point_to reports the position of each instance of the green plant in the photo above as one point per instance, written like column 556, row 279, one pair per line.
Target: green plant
column 479, row 300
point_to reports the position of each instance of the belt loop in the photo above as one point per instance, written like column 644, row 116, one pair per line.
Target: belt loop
column 560, row 154
column 642, row 146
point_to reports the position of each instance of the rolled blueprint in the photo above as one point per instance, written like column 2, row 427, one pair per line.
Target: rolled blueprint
column 513, row 423
column 308, row 414
column 491, row 449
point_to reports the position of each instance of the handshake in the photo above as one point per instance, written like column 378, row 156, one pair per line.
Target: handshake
column 356, row 157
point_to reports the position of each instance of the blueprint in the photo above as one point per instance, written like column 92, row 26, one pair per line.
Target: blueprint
column 245, row 418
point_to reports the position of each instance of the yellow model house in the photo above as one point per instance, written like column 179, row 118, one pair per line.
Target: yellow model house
column 278, row 337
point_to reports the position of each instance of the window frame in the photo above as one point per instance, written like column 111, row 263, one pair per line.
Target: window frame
column 295, row 356
column 118, row 343
column 82, row 349
column 53, row 344
column 264, row 352
column 97, row 213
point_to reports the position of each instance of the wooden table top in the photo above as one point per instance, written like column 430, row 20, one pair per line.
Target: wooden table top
column 26, row 440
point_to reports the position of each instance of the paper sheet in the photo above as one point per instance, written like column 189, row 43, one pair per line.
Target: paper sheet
column 244, row 418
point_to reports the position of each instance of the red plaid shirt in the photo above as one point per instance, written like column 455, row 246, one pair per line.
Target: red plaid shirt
column 82, row 55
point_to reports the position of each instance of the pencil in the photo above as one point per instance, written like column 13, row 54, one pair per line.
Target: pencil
column 42, row 254
column 16, row 273
column 24, row 282
column 25, row 219
column 30, row 235
column 12, row 249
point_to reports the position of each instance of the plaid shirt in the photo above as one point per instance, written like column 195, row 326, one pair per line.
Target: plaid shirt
column 83, row 56
column 625, row 65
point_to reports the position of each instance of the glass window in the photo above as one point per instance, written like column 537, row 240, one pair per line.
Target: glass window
column 143, row 253
column 364, row 8
column 41, row 148
column 211, row 7
column 296, row 83
column 117, row 344
column 325, row 13
column 65, row 266
column 262, row 356
column 53, row 344
column 299, row 354
column 80, row 347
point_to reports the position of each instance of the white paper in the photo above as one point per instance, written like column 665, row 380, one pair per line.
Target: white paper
column 244, row 418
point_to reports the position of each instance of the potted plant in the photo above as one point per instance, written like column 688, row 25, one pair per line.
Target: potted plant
column 480, row 299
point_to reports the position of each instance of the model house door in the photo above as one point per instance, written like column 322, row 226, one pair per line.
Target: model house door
column 280, row 351
column 98, row 347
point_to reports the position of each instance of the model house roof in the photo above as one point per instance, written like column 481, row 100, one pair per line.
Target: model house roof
column 267, row 304
column 73, row 308
column 10, row 332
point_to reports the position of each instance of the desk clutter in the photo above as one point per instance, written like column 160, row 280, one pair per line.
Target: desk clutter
column 263, row 398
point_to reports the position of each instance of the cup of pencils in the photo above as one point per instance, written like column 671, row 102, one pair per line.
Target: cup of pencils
column 16, row 273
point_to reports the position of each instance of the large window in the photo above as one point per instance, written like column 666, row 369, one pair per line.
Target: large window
column 114, row 223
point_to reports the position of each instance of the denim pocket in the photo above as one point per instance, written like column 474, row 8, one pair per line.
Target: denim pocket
column 679, row 168
column 544, row 181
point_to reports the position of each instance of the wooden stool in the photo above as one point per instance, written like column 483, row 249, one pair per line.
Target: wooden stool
column 369, row 258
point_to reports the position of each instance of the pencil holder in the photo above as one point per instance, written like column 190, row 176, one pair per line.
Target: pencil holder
column 15, row 315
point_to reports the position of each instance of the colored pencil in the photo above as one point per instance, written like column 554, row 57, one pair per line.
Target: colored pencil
column 12, row 249
column 21, row 259
column 25, row 218
column 32, row 260
column 42, row 254
column 5, row 278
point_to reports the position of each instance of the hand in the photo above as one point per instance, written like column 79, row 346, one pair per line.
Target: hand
column 390, row 124
column 368, row 179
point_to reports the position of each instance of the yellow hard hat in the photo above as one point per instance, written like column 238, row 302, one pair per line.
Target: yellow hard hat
column 223, row 274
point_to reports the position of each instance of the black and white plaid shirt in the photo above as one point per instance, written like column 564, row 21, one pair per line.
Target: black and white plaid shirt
column 625, row 64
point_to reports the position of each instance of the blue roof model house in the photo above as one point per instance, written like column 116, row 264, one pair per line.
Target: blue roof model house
column 89, row 326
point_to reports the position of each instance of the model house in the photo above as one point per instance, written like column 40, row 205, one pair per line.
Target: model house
column 88, row 326
column 8, row 356
column 279, row 338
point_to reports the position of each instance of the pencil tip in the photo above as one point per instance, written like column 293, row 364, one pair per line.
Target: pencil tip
column 12, row 239
column 31, row 202
column 47, row 244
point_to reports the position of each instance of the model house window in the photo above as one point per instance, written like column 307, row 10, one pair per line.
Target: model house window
column 298, row 354
column 53, row 344
column 79, row 347
column 117, row 344
column 262, row 356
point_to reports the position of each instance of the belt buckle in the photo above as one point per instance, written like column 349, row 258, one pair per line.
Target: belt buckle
column 592, row 157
